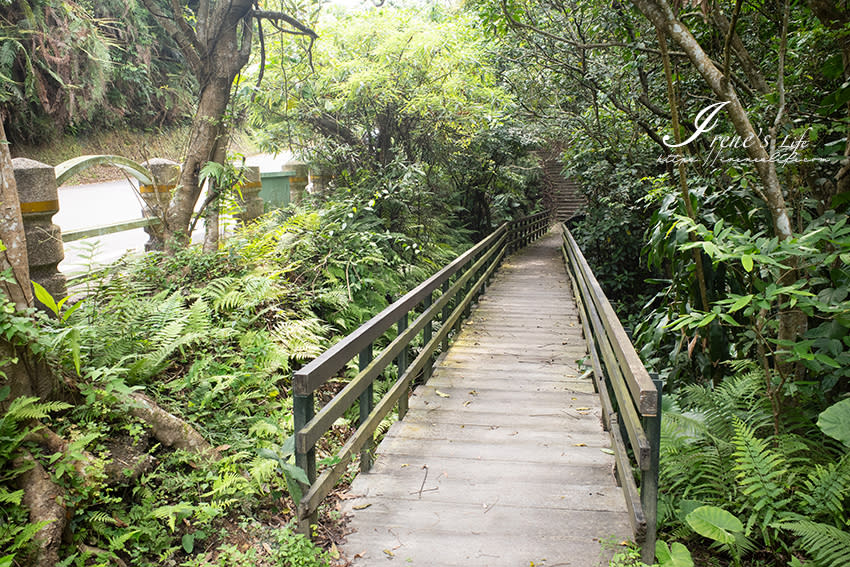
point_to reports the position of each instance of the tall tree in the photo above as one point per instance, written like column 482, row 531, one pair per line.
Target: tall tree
column 215, row 37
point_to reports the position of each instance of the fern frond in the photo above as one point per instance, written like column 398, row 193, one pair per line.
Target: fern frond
column 827, row 545
column 117, row 542
column 24, row 408
column 824, row 491
column 761, row 475
column 301, row 339
column 265, row 430
column 227, row 484
column 7, row 497
column 99, row 517
column 262, row 470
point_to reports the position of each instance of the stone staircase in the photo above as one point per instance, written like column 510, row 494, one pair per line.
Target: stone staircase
column 561, row 195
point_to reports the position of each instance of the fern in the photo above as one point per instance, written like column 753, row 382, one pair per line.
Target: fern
column 824, row 491
column 227, row 484
column 262, row 470
column 739, row 397
column 25, row 408
column 827, row 545
column 118, row 542
column 301, row 339
column 761, row 476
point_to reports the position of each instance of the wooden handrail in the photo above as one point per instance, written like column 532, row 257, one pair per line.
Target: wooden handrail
column 460, row 282
column 630, row 398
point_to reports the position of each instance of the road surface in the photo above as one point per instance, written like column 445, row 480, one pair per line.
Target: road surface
column 96, row 204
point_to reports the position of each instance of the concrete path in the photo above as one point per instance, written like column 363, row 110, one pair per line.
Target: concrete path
column 502, row 460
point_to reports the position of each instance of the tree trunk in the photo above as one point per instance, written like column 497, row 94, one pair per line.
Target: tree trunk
column 660, row 14
column 216, row 49
column 44, row 500
column 214, row 195
column 205, row 136
column 14, row 257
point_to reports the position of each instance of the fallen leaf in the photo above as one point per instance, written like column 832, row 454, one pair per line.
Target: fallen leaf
column 362, row 506
column 582, row 409
column 473, row 393
column 389, row 553
column 607, row 451
column 442, row 394
column 580, row 445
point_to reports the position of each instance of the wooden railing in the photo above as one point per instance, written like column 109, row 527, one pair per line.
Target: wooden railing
column 444, row 297
column 630, row 398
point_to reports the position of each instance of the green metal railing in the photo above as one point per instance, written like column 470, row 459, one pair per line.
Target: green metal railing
column 631, row 400
column 445, row 297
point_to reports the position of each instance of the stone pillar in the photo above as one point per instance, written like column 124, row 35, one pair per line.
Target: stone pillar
column 39, row 198
column 251, row 203
column 157, row 197
column 320, row 181
column 298, row 182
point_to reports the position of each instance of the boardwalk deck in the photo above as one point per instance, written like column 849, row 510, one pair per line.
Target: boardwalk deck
column 502, row 460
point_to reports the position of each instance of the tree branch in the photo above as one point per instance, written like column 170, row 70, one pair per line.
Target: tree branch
column 276, row 16
column 188, row 43
column 727, row 43
column 602, row 45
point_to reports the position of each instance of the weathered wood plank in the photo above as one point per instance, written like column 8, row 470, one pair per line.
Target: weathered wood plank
column 510, row 437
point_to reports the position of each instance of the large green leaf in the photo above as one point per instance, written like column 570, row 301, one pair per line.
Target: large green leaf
column 835, row 421
column 677, row 555
column 715, row 523
column 44, row 296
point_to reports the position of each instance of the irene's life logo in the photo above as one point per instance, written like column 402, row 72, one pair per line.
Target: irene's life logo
column 721, row 147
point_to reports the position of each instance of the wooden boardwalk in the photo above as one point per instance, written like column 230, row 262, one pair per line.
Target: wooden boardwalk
column 502, row 460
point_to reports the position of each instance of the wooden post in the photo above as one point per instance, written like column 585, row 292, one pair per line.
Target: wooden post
column 401, row 364
column 427, row 334
column 303, row 410
column 446, row 313
column 367, row 404
column 649, row 480
column 39, row 199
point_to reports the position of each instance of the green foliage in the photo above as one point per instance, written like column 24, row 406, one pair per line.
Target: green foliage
column 721, row 461
column 835, row 421
column 676, row 555
column 715, row 523
column 296, row 550
column 213, row 339
column 404, row 110
column 626, row 556
column 16, row 535
column 828, row 545
column 53, row 50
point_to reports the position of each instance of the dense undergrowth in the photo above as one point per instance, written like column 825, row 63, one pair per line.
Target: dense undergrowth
column 212, row 338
